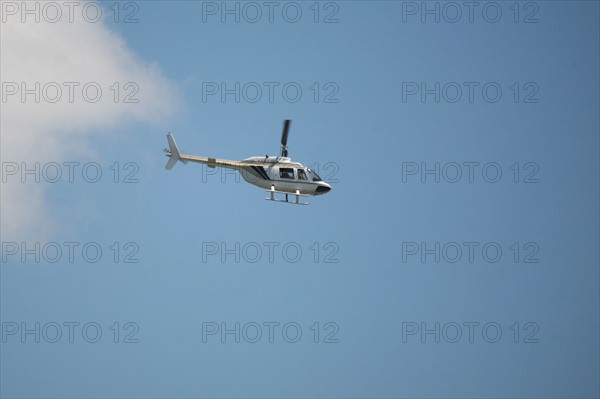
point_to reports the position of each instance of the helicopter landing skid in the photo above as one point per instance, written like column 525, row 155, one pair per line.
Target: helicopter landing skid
column 297, row 194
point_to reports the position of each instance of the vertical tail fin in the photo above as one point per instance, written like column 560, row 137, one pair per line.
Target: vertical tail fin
column 172, row 153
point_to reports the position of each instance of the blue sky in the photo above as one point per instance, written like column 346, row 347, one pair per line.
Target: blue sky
column 545, row 296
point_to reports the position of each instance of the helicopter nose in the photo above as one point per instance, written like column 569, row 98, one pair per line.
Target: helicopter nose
column 323, row 188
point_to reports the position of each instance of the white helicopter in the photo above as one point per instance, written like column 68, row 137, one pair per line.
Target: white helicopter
column 277, row 175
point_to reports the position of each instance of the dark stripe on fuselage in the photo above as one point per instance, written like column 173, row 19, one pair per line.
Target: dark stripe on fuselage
column 256, row 172
column 264, row 173
column 261, row 172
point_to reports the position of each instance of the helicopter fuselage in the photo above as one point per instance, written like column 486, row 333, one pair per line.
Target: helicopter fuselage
column 282, row 174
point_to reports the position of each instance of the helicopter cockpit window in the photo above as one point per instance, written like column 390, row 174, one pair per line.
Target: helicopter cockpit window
column 313, row 176
column 302, row 175
column 286, row 173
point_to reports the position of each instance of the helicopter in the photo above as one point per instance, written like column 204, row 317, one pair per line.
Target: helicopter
column 276, row 174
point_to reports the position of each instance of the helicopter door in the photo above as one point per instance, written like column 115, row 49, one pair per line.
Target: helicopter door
column 302, row 175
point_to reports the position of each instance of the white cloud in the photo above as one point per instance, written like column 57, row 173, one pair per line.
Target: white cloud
column 63, row 52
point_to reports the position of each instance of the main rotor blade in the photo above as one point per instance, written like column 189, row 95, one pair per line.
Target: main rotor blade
column 284, row 135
